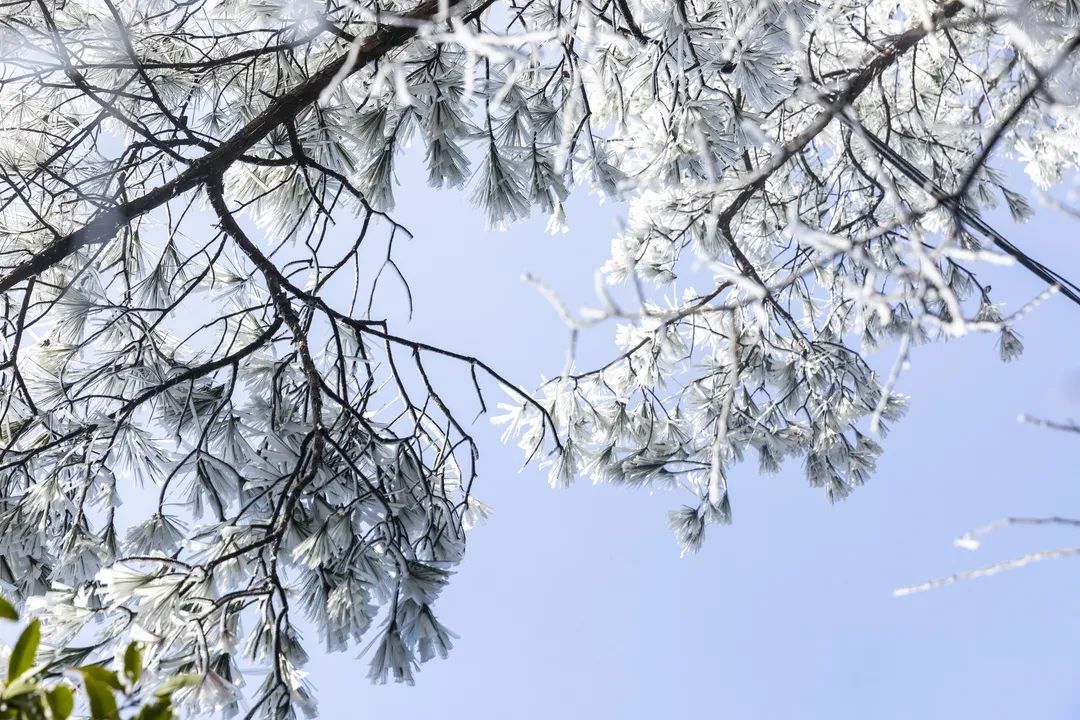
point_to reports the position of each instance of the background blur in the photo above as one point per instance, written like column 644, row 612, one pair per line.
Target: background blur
column 575, row 603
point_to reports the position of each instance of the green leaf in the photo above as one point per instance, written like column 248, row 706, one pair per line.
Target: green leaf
column 61, row 702
column 102, row 675
column 177, row 682
column 133, row 663
column 160, row 709
column 22, row 655
column 7, row 610
column 25, row 683
column 102, row 701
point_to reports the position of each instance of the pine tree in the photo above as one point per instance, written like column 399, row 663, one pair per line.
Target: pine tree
column 187, row 189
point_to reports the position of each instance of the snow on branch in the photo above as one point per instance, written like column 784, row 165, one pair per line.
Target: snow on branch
column 198, row 227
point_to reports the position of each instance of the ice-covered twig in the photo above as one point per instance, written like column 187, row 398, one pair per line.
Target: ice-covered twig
column 1002, row 566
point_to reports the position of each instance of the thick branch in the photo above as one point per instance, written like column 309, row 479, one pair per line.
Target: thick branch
column 280, row 110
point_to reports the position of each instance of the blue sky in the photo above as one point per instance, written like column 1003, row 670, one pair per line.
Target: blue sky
column 576, row 604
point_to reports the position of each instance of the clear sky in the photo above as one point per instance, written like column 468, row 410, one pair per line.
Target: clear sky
column 576, row 604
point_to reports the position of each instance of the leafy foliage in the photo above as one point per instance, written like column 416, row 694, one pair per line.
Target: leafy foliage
column 48, row 690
